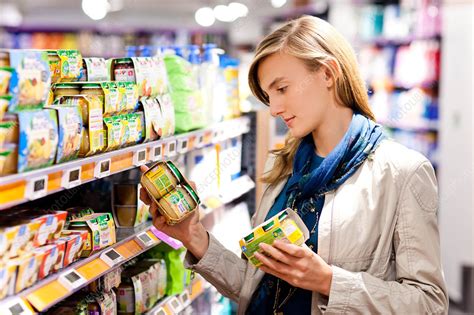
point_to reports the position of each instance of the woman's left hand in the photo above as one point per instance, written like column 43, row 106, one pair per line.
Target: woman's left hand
column 297, row 265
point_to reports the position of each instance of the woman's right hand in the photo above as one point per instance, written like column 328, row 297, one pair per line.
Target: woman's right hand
column 190, row 231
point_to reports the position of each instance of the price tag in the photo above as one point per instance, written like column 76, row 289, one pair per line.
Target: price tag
column 102, row 168
column 200, row 141
column 145, row 240
column 72, row 280
column 175, row 305
column 111, row 257
column 15, row 306
column 184, row 297
column 139, row 157
column 183, row 145
column 171, row 148
column 160, row 311
column 215, row 136
column 37, row 187
column 71, row 178
column 156, row 153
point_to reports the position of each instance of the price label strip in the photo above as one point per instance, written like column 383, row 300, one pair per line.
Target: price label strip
column 139, row 157
column 160, row 311
column 37, row 187
column 157, row 153
column 102, row 168
column 200, row 141
column 16, row 306
column 72, row 280
column 171, row 148
column 111, row 257
column 145, row 240
column 71, row 178
column 185, row 299
column 175, row 305
column 183, row 145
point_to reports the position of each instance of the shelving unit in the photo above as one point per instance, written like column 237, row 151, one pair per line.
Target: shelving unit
column 19, row 188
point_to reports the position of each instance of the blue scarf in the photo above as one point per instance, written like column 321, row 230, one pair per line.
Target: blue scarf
column 362, row 138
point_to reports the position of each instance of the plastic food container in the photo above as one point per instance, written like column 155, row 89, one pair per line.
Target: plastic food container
column 161, row 179
column 125, row 215
column 167, row 187
column 125, row 194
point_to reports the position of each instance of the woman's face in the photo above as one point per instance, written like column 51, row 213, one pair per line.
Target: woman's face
column 299, row 96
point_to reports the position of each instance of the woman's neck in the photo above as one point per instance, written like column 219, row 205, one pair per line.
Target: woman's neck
column 332, row 130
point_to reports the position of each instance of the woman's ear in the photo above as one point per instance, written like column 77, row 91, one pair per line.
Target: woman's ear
column 331, row 72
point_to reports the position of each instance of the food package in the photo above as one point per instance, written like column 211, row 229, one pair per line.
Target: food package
column 94, row 70
column 31, row 79
column 4, row 103
column 47, row 258
column 75, row 241
column 65, row 65
column 26, row 269
column 51, row 223
column 128, row 99
column 5, row 77
column 69, row 132
column 38, row 139
column 282, row 226
column 8, row 159
column 167, row 112
column 153, row 118
column 7, row 278
column 101, row 231
column 8, row 234
column 60, row 244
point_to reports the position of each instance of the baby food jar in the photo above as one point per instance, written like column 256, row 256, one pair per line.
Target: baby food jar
column 4, row 59
column 92, row 89
column 161, row 179
column 124, row 70
column 179, row 203
column 65, row 89
column 54, row 66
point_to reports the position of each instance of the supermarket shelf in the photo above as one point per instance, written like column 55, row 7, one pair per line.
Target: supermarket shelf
column 236, row 189
column 19, row 188
column 175, row 304
column 49, row 291
column 427, row 126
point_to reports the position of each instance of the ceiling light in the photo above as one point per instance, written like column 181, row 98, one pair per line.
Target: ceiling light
column 238, row 9
column 278, row 3
column 205, row 16
column 95, row 9
column 224, row 14
column 10, row 15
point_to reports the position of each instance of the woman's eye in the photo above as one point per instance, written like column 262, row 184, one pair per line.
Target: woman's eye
column 282, row 89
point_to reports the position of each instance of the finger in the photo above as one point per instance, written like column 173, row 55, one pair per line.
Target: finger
column 275, row 253
column 143, row 168
column 290, row 249
column 145, row 197
column 272, row 263
column 274, row 272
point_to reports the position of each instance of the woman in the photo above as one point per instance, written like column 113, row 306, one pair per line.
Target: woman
column 369, row 204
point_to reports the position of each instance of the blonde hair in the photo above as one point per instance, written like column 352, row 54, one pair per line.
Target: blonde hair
column 317, row 44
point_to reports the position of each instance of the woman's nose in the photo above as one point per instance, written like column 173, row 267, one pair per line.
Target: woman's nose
column 276, row 108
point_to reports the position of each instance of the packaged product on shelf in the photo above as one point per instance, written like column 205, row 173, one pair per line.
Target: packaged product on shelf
column 114, row 132
column 47, row 257
column 76, row 213
column 26, row 270
column 8, row 132
column 175, row 202
column 38, row 139
column 7, row 278
column 75, row 242
column 128, row 100
column 185, row 94
column 127, row 208
column 101, row 231
column 51, row 224
column 60, row 244
column 231, row 76
column 107, row 303
column 126, row 297
column 107, row 91
column 167, row 112
column 70, row 132
column 153, row 118
column 4, row 58
column 8, row 159
column 7, row 238
column 282, row 226
column 148, row 73
column 4, row 103
column 110, row 280
column 5, row 77
column 65, row 65
column 94, row 69
column 27, row 232
column 31, row 79
column 135, row 126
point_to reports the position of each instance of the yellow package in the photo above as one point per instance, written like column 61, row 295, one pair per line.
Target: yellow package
column 7, row 276
column 279, row 227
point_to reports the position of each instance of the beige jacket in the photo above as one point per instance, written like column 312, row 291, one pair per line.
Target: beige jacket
column 379, row 233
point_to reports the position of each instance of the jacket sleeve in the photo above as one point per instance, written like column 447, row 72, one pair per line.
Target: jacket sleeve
column 220, row 267
column 419, row 287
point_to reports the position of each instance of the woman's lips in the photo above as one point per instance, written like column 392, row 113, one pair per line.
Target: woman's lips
column 289, row 121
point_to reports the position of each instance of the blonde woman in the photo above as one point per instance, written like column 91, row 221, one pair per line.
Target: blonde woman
column 369, row 204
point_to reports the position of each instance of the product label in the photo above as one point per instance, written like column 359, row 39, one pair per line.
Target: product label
column 96, row 69
column 178, row 201
column 161, row 180
column 125, row 299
